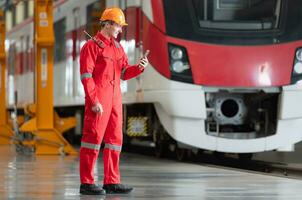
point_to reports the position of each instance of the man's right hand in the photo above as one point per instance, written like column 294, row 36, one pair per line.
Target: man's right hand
column 97, row 108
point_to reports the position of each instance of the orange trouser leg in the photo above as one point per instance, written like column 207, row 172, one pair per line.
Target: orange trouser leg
column 88, row 158
column 113, row 144
column 111, row 166
column 93, row 132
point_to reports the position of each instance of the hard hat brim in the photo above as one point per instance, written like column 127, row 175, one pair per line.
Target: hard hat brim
column 123, row 24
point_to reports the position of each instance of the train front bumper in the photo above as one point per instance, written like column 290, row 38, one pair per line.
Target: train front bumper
column 183, row 114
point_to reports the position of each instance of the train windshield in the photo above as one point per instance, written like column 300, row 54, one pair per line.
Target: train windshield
column 242, row 22
column 237, row 14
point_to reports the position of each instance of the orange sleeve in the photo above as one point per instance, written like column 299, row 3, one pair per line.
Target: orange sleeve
column 129, row 71
column 88, row 57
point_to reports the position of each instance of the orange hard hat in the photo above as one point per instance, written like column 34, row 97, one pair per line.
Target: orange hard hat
column 114, row 14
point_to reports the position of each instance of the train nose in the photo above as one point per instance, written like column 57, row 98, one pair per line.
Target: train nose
column 229, row 110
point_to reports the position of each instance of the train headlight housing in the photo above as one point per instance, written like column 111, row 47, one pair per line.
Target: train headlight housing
column 179, row 64
column 297, row 69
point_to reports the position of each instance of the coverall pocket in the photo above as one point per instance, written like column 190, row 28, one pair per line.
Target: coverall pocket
column 90, row 124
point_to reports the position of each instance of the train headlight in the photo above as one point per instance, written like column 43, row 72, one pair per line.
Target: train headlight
column 176, row 53
column 297, row 69
column 299, row 55
column 179, row 64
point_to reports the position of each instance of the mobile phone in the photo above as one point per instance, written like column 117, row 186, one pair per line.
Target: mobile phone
column 146, row 53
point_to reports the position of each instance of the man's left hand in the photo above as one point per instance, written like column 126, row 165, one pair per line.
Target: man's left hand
column 143, row 63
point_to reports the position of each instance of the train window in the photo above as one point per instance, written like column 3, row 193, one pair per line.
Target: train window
column 8, row 20
column 30, row 8
column 238, row 14
column 26, row 54
column 76, row 26
column 19, row 12
column 122, row 4
column 60, row 40
column 241, row 22
column 93, row 14
column 12, row 52
column 26, row 9
column 14, row 16
column 76, row 18
column 22, row 55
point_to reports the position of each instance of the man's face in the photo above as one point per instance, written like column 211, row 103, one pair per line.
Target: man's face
column 114, row 30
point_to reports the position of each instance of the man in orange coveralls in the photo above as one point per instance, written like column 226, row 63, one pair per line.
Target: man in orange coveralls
column 102, row 63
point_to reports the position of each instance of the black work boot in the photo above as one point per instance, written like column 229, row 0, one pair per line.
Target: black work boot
column 91, row 189
column 117, row 189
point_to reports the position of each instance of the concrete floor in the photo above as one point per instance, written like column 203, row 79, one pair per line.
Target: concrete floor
column 56, row 177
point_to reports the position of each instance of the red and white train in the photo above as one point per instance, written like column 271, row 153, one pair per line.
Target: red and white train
column 224, row 75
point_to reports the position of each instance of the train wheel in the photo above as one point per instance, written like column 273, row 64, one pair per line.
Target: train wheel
column 181, row 153
column 161, row 145
column 160, row 149
column 194, row 155
column 245, row 157
column 219, row 156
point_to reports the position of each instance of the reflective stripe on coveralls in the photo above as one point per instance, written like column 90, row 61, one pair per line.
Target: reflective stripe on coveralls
column 86, row 75
column 113, row 147
column 90, row 146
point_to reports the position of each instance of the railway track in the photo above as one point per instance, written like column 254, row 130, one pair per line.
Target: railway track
column 230, row 161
